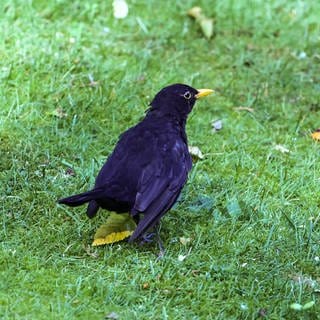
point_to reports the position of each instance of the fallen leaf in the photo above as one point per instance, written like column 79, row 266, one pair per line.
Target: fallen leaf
column 181, row 257
column 117, row 228
column 308, row 305
column 281, row 148
column 206, row 24
column 296, row 306
column 300, row 307
column 243, row 109
column 216, row 125
column 195, row 152
column 195, row 12
column 146, row 285
column 60, row 113
column 184, row 240
column 120, row 9
column 112, row 237
column 316, row 135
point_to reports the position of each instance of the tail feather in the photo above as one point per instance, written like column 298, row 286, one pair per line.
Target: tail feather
column 79, row 199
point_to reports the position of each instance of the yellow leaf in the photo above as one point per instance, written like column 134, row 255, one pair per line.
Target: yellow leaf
column 316, row 135
column 116, row 228
column 112, row 238
column 195, row 12
column 206, row 24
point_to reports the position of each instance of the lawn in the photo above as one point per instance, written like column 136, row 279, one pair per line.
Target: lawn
column 72, row 78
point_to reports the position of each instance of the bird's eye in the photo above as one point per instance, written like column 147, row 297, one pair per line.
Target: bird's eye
column 187, row 95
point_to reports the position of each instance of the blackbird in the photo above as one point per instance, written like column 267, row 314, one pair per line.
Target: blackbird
column 149, row 166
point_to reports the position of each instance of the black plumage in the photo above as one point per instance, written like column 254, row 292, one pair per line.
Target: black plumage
column 149, row 166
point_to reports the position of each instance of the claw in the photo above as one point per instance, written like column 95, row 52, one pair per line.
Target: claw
column 147, row 238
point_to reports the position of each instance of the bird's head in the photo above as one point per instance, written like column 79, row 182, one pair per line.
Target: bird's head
column 177, row 99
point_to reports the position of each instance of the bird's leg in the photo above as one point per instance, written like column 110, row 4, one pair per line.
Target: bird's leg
column 136, row 218
column 160, row 243
column 147, row 238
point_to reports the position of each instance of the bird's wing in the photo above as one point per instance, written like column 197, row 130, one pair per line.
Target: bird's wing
column 160, row 184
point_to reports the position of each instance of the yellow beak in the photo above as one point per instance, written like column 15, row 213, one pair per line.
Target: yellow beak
column 203, row 93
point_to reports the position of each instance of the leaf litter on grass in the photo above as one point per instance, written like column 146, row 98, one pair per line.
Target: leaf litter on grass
column 205, row 23
column 117, row 228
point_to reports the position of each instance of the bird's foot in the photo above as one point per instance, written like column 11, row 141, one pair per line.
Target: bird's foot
column 161, row 254
column 147, row 238
column 161, row 247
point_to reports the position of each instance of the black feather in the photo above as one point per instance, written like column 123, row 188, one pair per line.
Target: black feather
column 149, row 166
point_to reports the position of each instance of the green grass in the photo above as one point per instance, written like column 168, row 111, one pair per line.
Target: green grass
column 251, row 211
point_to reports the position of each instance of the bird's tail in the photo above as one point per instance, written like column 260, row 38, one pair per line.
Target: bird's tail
column 79, row 199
